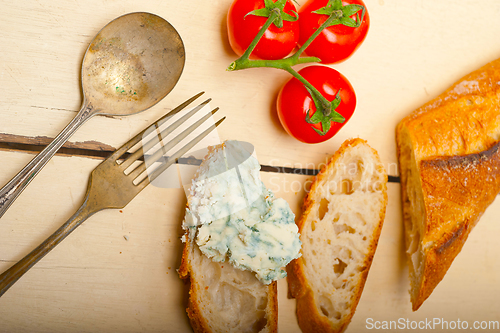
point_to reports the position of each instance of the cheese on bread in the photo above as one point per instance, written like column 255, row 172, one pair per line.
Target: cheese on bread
column 238, row 239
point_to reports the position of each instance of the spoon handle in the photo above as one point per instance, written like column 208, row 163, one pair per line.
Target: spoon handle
column 16, row 185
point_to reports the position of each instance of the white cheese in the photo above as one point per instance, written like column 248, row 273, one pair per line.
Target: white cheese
column 232, row 216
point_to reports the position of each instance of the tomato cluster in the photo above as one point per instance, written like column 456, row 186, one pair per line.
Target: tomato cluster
column 331, row 31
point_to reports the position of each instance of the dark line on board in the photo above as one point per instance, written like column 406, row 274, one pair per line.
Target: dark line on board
column 306, row 172
column 62, row 151
column 189, row 161
column 393, row 179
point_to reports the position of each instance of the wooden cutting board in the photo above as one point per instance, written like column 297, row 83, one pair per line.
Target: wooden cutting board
column 117, row 272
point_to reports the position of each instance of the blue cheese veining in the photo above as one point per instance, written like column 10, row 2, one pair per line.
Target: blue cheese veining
column 232, row 216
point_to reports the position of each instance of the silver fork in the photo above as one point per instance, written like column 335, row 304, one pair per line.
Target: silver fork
column 110, row 187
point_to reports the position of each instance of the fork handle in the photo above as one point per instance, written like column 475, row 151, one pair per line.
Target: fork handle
column 16, row 185
column 14, row 273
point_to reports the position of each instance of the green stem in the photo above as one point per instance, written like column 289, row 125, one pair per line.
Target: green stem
column 286, row 64
column 274, row 15
column 325, row 104
column 244, row 61
column 313, row 36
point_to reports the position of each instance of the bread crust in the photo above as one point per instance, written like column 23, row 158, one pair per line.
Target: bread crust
column 453, row 142
column 308, row 315
column 195, row 314
column 196, row 319
column 465, row 119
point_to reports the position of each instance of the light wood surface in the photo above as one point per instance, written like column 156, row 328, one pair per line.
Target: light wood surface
column 117, row 272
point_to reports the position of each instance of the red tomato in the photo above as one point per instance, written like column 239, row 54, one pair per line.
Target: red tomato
column 336, row 43
column 294, row 101
column 276, row 43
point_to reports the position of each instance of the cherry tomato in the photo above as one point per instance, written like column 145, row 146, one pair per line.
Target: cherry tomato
column 335, row 43
column 294, row 101
column 276, row 43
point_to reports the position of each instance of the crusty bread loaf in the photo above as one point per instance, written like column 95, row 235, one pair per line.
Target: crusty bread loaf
column 225, row 299
column 342, row 218
column 449, row 162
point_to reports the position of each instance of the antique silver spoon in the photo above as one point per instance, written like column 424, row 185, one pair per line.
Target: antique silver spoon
column 132, row 63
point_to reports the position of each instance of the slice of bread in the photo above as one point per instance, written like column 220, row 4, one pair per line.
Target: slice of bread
column 226, row 299
column 237, row 238
column 449, row 162
column 341, row 223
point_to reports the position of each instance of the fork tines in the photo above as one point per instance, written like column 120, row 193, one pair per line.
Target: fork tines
column 159, row 147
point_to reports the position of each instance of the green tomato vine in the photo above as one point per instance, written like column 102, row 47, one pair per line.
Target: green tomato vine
column 274, row 11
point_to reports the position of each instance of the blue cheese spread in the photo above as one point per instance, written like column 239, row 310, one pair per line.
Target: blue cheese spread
column 232, row 216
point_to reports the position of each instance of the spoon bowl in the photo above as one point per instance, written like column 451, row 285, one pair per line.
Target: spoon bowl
column 129, row 66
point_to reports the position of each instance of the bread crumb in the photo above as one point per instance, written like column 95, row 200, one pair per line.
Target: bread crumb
column 126, row 237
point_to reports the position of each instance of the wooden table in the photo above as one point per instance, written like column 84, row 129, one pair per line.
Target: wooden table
column 117, row 273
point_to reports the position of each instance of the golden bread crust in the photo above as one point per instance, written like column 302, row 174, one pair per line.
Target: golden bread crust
column 465, row 119
column 452, row 145
column 196, row 319
column 458, row 190
column 272, row 320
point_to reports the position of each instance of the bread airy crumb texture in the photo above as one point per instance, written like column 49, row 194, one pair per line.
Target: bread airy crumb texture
column 449, row 160
column 225, row 299
column 341, row 223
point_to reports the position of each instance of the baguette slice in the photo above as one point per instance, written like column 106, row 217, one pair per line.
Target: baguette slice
column 449, row 160
column 225, row 299
column 341, row 223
